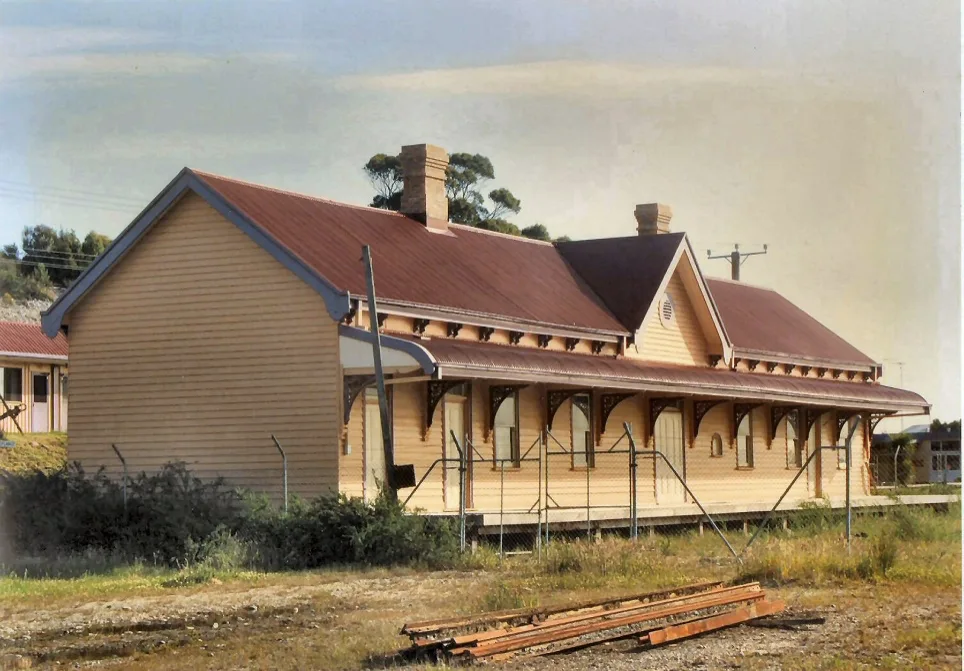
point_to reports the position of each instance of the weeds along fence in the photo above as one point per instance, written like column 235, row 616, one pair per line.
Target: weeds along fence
column 567, row 487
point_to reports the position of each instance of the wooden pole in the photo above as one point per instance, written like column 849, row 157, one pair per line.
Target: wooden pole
column 380, row 377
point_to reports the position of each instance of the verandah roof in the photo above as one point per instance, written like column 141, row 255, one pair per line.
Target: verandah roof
column 460, row 358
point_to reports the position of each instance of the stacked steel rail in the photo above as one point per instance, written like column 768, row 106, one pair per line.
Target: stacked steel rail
column 653, row 618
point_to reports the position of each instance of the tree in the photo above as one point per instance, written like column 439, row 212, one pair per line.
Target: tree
column 465, row 182
column 937, row 426
column 537, row 232
column 55, row 257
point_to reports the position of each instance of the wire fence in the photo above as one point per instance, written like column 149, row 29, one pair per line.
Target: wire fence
column 561, row 488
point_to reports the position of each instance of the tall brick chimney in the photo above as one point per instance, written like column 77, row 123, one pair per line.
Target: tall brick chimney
column 423, row 174
column 653, row 218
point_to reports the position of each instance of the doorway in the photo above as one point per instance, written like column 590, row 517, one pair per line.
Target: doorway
column 374, row 460
column 40, row 403
column 668, row 438
column 454, row 423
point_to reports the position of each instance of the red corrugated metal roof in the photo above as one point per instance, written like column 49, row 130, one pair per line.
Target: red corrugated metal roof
column 508, row 362
column 30, row 340
column 761, row 320
column 466, row 269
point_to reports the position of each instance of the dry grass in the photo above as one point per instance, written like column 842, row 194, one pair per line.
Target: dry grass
column 34, row 451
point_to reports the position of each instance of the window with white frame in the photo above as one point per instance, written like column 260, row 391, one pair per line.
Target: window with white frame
column 744, row 442
column 582, row 447
column 12, row 384
column 507, row 431
column 795, row 444
column 716, row 445
column 842, row 442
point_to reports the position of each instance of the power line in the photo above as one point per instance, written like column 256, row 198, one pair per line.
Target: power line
column 53, row 200
column 33, row 251
column 736, row 259
column 66, row 191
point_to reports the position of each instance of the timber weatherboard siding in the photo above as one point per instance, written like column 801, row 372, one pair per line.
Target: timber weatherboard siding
column 197, row 347
column 683, row 341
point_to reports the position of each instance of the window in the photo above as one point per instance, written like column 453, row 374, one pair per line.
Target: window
column 744, row 443
column 667, row 311
column 794, row 444
column 716, row 445
column 842, row 453
column 507, row 432
column 953, row 462
column 13, row 384
column 582, row 448
column 936, row 462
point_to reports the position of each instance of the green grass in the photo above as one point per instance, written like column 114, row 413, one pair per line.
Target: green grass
column 34, row 451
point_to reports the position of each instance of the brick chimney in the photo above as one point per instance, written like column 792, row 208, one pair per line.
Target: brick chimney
column 423, row 173
column 653, row 218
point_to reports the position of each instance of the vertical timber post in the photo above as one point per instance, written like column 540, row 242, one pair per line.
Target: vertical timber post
column 380, row 377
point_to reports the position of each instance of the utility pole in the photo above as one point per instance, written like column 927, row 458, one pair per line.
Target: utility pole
column 736, row 259
column 390, row 485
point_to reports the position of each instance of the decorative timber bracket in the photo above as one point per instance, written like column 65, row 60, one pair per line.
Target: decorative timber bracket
column 597, row 346
column 875, row 418
column 544, row 340
column 777, row 413
column 805, row 370
column 485, row 332
column 842, row 417
column 821, row 372
column 436, row 392
column 452, row 329
column 515, row 337
column 571, row 344
column 497, row 394
column 350, row 315
column 700, row 410
column 354, row 385
column 788, row 368
column 715, row 359
column 751, row 364
column 656, row 407
column 381, row 319
column 418, row 325
column 771, row 366
column 740, row 411
column 608, row 403
column 851, row 374
column 811, row 415
column 836, row 374
column 555, row 398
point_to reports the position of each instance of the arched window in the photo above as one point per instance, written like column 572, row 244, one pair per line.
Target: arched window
column 744, row 442
column 716, row 445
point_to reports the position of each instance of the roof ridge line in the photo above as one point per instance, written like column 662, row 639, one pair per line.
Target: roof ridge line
column 742, row 283
column 500, row 234
column 296, row 194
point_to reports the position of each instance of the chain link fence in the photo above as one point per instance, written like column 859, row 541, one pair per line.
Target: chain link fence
column 566, row 488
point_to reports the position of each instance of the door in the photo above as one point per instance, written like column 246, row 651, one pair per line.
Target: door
column 812, row 468
column 454, row 422
column 40, row 403
column 668, row 436
column 374, row 447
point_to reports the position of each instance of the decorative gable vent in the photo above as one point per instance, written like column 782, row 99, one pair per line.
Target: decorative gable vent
column 667, row 311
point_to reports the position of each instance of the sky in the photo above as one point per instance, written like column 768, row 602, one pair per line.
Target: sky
column 828, row 130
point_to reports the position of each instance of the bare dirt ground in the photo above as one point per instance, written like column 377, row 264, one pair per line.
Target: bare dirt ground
column 330, row 622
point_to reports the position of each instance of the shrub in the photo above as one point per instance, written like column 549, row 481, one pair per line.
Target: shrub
column 173, row 518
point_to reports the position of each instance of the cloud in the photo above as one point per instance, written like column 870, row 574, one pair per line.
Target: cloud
column 566, row 78
column 92, row 56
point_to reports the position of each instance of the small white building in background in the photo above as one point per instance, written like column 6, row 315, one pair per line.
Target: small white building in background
column 33, row 379
column 937, row 456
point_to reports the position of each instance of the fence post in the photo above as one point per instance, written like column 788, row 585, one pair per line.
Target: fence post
column 284, row 471
column 539, row 503
column 588, row 518
column 124, row 481
column 633, row 527
column 501, row 508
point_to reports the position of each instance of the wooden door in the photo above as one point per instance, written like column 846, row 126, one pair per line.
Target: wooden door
column 454, row 422
column 668, row 436
column 40, row 403
column 374, row 459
